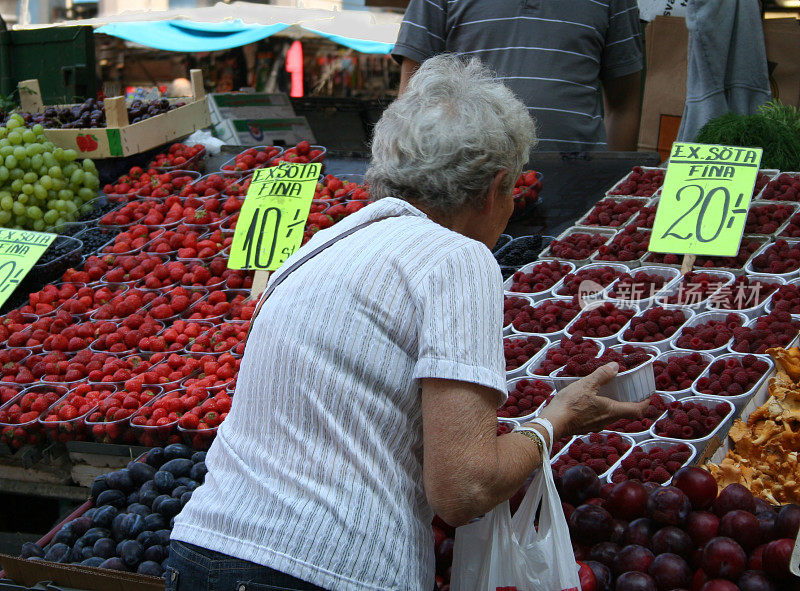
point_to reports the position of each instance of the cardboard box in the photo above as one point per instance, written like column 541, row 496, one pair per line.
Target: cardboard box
column 243, row 105
column 260, row 132
column 121, row 138
column 30, row 572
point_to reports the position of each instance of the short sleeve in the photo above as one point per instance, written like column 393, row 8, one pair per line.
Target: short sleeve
column 460, row 311
column 423, row 32
column 622, row 54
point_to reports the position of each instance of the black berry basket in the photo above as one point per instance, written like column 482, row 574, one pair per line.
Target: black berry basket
column 94, row 237
column 521, row 251
column 93, row 210
column 64, row 252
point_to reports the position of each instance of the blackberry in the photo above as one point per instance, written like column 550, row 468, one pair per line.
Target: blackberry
column 98, row 212
column 520, row 251
column 58, row 248
column 94, row 238
column 501, row 242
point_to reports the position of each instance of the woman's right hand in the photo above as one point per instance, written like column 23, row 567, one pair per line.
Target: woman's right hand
column 579, row 409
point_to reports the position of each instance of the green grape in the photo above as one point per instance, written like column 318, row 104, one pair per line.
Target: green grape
column 70, row 206
column 37, row 162
column 38, row 129
column 71, row 155
column 89, row 166
column 56, row 172
column 50, row 216
column 15, row 138
column 86, row 194
column 16, row 173
column 34, row 212
column 28, row 136
column 45, row 180
column 23, row 198
column 6, row 151
column 25, row 164
column 4, row 174
column 10, row 161
column 39, row 225
column 27, row 189
column 20, row 153
column 5, row 217
column 30, row 177
column 65, row 195
column 14, row 123
column 16, row 185
column 59, row 184
column 42, row 171
column 59, row 154
column 68, row 170
column 6, row 201
column 3, row 133
column 77, row 176
column 40, row 192
column 49, row 159
column 34, row 149
column 18, row 208
column 92, row 182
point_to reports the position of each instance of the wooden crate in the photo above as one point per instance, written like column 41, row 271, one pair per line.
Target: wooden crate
column 120, row 138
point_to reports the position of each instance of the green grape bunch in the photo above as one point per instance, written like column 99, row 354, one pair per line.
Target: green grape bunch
column 42, row 187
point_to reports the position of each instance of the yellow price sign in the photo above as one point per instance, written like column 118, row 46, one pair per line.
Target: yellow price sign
column 704, row 200
column 19, row 251
column 273, row 216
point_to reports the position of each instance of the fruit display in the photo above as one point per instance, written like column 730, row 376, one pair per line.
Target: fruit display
column 692, row 420
column 638, row 285
column 128, row 526
column 645, row 218
column 784, row 187
column 179, row 157
column 709, row 334
column 695, row 288
column 612, row 212
column 91, row 114
column 520, row 251
column 251, row 159
column 780, row 257
column 539, row 278
column 525, row 398
column 526, row 190
column 519, row 350
column 546, row 317
column 654, row 325
column 766, row 219
column 745, row 292
column 652, row 463
column 577, row 245
column 41, row 187
column 654, row 411
column 601, row 321
column 748, row 246
column 677, row 371
column 598, row 451
column 640, row 182
column 776, row 329
column 790, row 296
column 602, row 276
column 732, row 376
column 628, row 357
column 562, row 351
column 629, row 245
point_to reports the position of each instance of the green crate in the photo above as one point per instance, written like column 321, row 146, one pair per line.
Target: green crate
column 61, row 58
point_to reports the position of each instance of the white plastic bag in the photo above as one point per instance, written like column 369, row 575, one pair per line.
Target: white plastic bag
column 504, row 553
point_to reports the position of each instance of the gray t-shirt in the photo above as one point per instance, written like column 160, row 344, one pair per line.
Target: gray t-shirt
column 551, row 53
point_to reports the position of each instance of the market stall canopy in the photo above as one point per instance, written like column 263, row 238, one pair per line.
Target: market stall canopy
column 224, row 26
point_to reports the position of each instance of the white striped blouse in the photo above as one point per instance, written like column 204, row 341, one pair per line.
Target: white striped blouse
column 317, row 470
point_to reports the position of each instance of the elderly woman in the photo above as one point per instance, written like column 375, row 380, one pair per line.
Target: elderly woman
column 367, row 395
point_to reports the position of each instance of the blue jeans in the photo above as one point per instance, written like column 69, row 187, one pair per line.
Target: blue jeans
column 196, row 569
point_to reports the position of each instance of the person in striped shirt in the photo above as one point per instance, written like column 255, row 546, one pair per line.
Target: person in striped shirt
column 367, row 395
column 576, row 65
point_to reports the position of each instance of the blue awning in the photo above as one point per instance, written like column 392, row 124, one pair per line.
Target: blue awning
column 189, row 36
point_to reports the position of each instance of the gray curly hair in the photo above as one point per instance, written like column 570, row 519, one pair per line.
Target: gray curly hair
column 443, row 141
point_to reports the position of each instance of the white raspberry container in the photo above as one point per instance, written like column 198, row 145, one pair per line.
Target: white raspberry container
column 615, row 266
column 511, row 384
column 725, row 278
column 585, row 438
column 644, row 435
column 666, row 356
column 772, row 173
column 751, row 311
column 611, row 339
column 552, row 336
column 722, row 428
column 769, row 305
column 633, row 385
column 750, row 324
column 547, row 255
column 541, row 355
column 699, row 319
column 507, row 329
column 662, row 345
column 671, row 275
column 641, row 201
column 741, row 400
column 751, row 270
column 649, row 445
column 535, row 295
column 521, row 370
